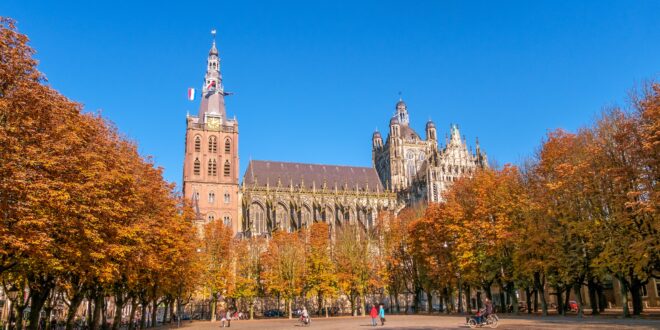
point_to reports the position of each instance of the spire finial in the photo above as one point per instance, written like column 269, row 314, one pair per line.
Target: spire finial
column 400, row 98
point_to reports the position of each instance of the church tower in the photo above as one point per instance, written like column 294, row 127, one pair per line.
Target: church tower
column 210, row 168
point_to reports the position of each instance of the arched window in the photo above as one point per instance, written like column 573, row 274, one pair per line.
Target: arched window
column 211, row 217
column 280, row 217
column 196, row 166
column 257, row 217
column 227, row 146
column 227, row 169
column 227, row 220
column 213, row 144
column 211, row 197
column 227, row 198
column 213, row 168
column 306, row 217
column 198, row 143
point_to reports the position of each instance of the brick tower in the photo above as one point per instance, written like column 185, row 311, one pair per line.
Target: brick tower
column 210, row 168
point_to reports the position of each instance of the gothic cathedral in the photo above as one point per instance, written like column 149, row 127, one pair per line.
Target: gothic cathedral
column 419, row 170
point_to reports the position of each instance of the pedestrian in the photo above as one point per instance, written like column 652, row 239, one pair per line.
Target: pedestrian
column 228, row 317
column 224, row 318
column 381, row 314
column 374, row 315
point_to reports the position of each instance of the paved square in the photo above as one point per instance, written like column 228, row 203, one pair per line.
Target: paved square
column 429, row 322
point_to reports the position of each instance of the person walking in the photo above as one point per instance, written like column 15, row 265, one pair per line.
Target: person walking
column 381, row 315
column 374, row 315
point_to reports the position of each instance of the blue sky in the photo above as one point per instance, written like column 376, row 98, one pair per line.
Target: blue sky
column 313, row 79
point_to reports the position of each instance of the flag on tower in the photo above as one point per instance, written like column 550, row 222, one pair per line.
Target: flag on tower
column 191, row 94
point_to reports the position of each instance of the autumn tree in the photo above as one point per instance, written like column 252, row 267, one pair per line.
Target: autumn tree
column 321, row 278
column 284, row 267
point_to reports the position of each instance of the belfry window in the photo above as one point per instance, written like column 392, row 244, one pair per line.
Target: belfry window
column 227, row 169
column 196, row 166
column 213, row 144
column 213, row 169
column 227, row 198
column 211, row 197
column 227, row 146
column 198, row 143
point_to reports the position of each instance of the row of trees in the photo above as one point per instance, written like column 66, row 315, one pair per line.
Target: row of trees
column 582, row 212
column 305, row 264
column 82, row 215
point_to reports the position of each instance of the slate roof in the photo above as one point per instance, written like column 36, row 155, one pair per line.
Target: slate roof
column 311, row 175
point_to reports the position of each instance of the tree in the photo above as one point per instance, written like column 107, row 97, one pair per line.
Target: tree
column 284, row 267
column 321, row 278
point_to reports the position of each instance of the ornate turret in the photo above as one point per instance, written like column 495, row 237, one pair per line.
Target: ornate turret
column 213, row 95
column 402, row 112
column 377, row 140
column 430, row 131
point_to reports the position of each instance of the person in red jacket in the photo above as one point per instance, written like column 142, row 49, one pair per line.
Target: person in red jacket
column 374, row 315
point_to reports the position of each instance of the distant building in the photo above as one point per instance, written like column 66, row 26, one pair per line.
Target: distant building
column 417, row 169
column 280, row 196
column 210, row 168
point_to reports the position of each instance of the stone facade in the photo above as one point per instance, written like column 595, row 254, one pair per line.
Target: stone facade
column 290, row 196
column 420, row 170
column 210, row 168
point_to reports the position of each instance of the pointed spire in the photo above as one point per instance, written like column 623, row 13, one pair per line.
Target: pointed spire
column 213, row 101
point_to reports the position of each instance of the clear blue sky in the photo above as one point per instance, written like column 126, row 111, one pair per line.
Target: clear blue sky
column 313, row 79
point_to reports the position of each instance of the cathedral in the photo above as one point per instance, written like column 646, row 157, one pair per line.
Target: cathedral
column 288, row 196
column 419, row 170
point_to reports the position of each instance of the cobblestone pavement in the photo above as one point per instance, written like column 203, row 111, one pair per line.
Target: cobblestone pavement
column 432, row 322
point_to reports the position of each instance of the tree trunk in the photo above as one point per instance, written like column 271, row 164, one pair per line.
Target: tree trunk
column 119, row 305
column 98, row 305
column 39, row 291
column 602, row 300
column 528, row 297
column 429, row 301
column 539, row 283
column 624, row 297
column 560, row 307
column 567, row 299
column 502, row 300
column 468, row 301
column 75, row 302
column 288, row 303
column 363, row 303
column 131, row 318
column 636, row 292
column 166, row 310
column 398, row 306
column 143, row 314
column 536, row 300
column 154, row 313
column 577, row 289
column 593, row 299
column 213, row 307
column 511, row 290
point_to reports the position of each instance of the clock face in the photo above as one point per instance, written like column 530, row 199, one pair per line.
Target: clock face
column 213, row 123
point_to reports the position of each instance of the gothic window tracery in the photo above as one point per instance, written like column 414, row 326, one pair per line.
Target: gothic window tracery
column 196, row 166
column 227, row 169
column 213, row 144
column 198, row 143
column 212, row 168
column 227, row 146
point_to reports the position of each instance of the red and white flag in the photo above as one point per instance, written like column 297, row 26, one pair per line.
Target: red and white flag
column 191, row 94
